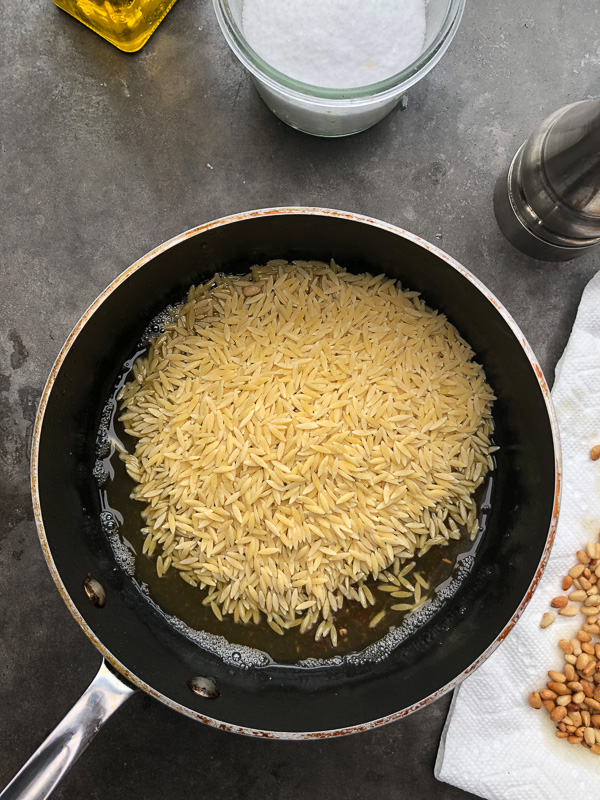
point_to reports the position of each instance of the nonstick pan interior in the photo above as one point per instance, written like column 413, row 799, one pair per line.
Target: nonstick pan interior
column 285, row 700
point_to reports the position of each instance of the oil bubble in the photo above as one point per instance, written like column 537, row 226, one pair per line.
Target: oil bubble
column 100, row 474
column 109, row 523
column 157, row 325
column 236, row 655
column 123, row 551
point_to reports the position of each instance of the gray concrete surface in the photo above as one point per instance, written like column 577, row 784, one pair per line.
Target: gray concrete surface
column 104, row 155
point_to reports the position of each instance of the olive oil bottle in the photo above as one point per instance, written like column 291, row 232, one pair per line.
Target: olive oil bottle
column 128, row 24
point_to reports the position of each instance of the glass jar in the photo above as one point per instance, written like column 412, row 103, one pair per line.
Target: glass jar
column 338, row 112
column 128, row 24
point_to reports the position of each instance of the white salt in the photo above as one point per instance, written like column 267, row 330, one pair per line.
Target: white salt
column 336, row 43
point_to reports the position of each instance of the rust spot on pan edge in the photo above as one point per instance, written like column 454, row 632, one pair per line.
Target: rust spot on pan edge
column 121, row 668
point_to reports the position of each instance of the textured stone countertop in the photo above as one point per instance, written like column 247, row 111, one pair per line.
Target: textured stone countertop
column 104, row 155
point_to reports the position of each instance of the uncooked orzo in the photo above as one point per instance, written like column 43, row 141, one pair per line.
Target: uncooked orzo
column 300, row 430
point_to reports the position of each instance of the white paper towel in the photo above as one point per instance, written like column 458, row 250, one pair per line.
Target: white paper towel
column 494, row 744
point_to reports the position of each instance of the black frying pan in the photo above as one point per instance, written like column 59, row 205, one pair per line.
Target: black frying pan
column 137, row 642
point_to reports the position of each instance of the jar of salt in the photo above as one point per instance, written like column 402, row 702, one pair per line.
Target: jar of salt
column 336, row 67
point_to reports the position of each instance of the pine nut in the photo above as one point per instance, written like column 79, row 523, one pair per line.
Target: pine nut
column 576, row 718
column 586, row 610
column 582, row 557
column 556, row 676
column 575, row 739
column 565, row 646
column 570, row 658
column 546, row 694
column 559, row 688
column 578, row 698
column 595, row 452
column 582, row 636
column 576, row 645
column 578, row 596
column 589, row 627
column 559, row 602
column 550, row 705
column 567, row 582
column 587, row 648
column 582, row 661
column 587, row 688
column 568, row 611
column 570, row 673
column 589, row 736
column 593, row 704
column 576, row 571
column 586, row 718
column 575, row 686
column 585, row 584
column 590, row 669
column 558, row 713
column 563, row 700
column 547, row 619
column 251, row 291
column 535, row 701
column 595, row 748
column 562, row 735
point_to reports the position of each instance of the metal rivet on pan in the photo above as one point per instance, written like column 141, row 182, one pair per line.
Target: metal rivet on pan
column 94, row 591
column 205, row 687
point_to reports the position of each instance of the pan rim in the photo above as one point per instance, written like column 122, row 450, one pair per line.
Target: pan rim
column 123, row 276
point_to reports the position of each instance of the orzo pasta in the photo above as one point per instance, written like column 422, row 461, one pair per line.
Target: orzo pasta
column 300, row 430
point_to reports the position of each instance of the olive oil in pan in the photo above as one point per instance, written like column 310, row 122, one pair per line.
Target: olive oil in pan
column 443, row 569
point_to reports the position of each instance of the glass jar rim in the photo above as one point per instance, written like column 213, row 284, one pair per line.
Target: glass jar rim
column 403, row 79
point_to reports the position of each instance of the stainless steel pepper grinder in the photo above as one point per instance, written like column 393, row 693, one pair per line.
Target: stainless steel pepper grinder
column 548, row 201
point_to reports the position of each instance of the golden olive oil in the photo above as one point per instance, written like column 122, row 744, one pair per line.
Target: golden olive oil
column 128, row 24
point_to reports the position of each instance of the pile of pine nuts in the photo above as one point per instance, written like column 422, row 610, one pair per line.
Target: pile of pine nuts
column 572, row 696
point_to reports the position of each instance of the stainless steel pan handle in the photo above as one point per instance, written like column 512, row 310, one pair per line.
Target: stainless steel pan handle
column 54, row 757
